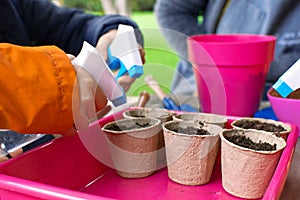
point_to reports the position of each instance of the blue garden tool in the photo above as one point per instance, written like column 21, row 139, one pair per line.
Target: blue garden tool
column 124, row 54
column 168, row 102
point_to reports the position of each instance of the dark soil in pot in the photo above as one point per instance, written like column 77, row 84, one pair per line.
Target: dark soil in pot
column 154, row 113
column 131, row 126
column 138, row 115
column 188, row 130
column 246, row 142
column 258, row 125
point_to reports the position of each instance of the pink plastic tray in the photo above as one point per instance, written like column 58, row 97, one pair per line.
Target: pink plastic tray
column 64, row 169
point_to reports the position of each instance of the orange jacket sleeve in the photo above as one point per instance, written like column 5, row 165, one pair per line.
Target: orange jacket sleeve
column 36, row 89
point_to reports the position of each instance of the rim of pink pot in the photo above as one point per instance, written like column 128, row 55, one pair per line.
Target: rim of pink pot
column 227, row 39
column 231, row 49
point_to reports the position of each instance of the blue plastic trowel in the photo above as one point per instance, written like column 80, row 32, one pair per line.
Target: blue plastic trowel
column 167, row 102
column 124, row 54
column 289, row 81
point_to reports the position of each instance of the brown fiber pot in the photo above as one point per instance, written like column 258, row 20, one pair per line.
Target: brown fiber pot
column 163, row 115
column 246, row 173
column 134, row 151
column 191, row 158
column 202, row 117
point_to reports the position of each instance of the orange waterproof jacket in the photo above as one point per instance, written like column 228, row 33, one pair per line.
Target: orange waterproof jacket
column 36, row 89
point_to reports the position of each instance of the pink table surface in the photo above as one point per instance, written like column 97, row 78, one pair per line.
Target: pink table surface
column 64, row 169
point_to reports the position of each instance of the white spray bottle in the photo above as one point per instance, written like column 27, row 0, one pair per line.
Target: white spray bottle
column 90, row 59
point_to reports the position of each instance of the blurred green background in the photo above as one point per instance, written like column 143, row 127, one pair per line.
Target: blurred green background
column 160, row 59
column 95, row 5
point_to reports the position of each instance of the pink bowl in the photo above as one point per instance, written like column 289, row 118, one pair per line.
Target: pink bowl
column 285, row 109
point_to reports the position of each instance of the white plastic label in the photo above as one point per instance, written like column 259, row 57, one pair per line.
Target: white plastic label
column 289, row 81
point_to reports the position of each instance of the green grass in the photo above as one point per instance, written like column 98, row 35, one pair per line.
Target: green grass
column 160, row 59
column 144, row 19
